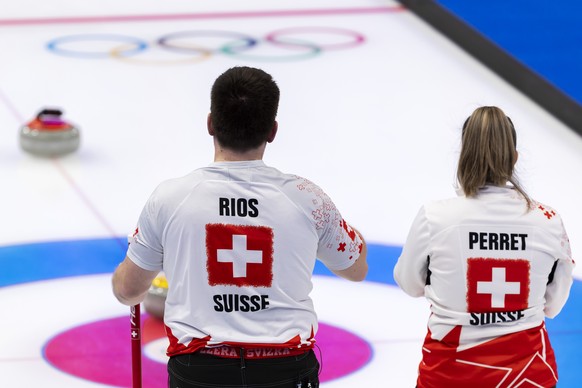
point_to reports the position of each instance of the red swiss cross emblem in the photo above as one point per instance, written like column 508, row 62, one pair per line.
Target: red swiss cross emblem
column 239, row 255
column 497, row 284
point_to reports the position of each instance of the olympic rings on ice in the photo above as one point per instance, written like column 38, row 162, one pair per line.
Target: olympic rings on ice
column 286, row 44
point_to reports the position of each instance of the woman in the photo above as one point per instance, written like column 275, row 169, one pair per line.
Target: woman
column 493, row 263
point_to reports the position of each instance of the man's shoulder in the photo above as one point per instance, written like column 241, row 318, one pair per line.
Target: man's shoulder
column 288, row 181
column 175, row 185
column 307, row 185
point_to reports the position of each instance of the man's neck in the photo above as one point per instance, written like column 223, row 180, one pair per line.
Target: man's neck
column 226, row 155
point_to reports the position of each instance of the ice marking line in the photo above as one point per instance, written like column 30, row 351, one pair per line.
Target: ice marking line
column 207, row 15
column 4, row 99
column 88, row 203
column 8, row 104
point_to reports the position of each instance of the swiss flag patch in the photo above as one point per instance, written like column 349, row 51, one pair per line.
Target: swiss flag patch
column 239, row 255
column 497, row 284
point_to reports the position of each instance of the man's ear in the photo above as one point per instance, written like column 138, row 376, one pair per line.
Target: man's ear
column 273, row 132
column 209, row 125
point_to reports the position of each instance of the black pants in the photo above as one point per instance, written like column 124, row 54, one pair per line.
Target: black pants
column 207, row 371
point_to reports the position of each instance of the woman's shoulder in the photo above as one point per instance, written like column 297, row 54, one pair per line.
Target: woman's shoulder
column 543, row 212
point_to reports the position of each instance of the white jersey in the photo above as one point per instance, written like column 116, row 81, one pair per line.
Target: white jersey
column 237, row 242
column 488, row 267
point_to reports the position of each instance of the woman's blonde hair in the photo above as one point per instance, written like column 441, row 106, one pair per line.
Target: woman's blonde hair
column 488, row 152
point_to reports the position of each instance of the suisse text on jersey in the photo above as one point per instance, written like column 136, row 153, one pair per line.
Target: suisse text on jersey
column 246, row 303
column 478, row 319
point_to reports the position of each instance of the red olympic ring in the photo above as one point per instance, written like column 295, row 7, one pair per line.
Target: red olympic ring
column 298, row 42
column 358, row 38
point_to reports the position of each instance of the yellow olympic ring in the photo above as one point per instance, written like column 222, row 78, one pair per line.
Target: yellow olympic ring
column 118, row 53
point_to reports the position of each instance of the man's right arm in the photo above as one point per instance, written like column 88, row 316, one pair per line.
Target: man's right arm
column 358, row 271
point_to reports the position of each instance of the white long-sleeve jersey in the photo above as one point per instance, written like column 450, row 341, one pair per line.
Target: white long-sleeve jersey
column 488, row 266
column 237, row 242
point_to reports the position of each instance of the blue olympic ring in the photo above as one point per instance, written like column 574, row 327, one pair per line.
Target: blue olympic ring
column 233, row 44
column 57, row 45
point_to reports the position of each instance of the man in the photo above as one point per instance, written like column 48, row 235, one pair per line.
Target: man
column 237, row 241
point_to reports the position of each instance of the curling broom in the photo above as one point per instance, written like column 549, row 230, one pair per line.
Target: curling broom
column 134, row 319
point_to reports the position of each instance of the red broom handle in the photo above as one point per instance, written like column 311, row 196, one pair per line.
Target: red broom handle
column 134, row 319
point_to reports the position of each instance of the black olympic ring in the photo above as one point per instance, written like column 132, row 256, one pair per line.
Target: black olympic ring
column 166, row 40
column 236, row 47
column 232, row 43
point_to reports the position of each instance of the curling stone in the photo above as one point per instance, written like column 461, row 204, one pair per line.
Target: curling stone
column 155, row 299
column 49, row 135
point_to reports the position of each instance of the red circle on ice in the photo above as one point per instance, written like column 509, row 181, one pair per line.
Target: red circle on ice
column 101, row 352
